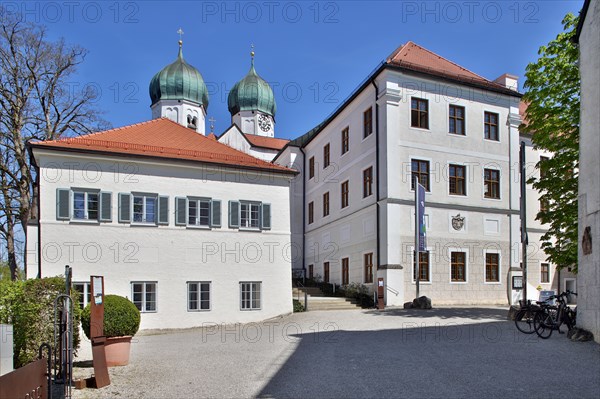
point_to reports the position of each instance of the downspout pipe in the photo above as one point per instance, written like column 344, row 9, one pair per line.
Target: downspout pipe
column 303, row 174
column 377, row 174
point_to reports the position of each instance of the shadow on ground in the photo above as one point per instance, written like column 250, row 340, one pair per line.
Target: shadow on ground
column 482, row 360
column 445, row 313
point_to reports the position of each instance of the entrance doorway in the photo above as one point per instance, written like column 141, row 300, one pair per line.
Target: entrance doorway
column 571, row 285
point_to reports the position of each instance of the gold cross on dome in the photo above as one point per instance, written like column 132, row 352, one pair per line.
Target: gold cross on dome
column 180, row 32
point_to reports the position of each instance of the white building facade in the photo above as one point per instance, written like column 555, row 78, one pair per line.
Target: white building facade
column 416, row 115
column 189, row 229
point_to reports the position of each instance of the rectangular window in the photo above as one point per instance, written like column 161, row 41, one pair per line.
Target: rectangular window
column 345, row 193
column 456, row 120
column 368, row 266
column 368, row 122
column 326, row 204
column 345, row 271
column 85, row 205
column 490, row 126
column 545, row 277
column 367, row 182
column 345, row 140
column 250, row 295
column 85, row 294
column 199, row 212
column 326, row 272
column 144, row 296
column 491, row 183
column 458, row 266
column 311, row 271
column 419, row 113
column 198, row 296
column 424, row 267
column 144, row 208
column 492, row 268
column 311, row 167
column 420, row 169
column 457, row 182
column 326, row 155
column 311, row 212
column 249, row 215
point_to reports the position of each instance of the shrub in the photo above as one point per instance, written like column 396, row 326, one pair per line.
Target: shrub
column 121, row 317
column 298, row 307
column 29, row 307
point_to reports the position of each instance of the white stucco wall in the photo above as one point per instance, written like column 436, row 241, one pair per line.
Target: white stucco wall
column 589, row 172
column 169, row 255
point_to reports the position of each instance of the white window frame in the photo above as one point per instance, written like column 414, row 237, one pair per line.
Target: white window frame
column 144, row 198
column 466, row 252
column 198, row 202
column 247, row 224
column 412, row 273
column 86, row 194
column 85, row 294
column 492, row 251
column 143, row 303
column 199, row 292
column 253, row 285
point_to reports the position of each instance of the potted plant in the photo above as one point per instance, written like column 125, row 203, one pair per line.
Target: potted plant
column 121, row 323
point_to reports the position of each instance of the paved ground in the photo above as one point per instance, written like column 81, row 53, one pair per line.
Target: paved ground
column 457, row 352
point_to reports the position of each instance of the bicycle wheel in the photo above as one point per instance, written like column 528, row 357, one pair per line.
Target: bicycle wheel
column 543, row 324
column 524, row 321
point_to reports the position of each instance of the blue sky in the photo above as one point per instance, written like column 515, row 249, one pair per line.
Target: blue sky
column 313, row 53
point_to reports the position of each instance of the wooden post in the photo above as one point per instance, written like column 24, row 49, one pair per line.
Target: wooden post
column 101, row 376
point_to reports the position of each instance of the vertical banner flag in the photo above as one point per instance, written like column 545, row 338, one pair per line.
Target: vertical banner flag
column 421, row 216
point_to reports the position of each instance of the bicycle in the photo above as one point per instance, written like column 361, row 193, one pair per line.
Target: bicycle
column 550, row 317
column 524, row 316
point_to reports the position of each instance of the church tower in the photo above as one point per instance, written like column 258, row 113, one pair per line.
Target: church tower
column 178, row 92
column 251, row 104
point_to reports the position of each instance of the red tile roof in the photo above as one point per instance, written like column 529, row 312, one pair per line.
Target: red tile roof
column 161, row 138
column 266, row 142
column 212, row 136
column 414, row 57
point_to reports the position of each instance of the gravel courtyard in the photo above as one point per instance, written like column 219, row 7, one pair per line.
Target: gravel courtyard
column 452, row 352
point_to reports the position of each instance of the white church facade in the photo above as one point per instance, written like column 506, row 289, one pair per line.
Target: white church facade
column 190, row 229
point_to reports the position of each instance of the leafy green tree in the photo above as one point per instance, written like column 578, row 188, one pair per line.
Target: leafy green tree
column 552, row 94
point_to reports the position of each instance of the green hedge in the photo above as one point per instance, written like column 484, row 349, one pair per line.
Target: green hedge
column 121, row 317
column 29, row 307
column 298, row 306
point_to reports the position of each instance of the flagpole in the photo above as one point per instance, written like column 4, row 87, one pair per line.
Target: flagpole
column 417, row 257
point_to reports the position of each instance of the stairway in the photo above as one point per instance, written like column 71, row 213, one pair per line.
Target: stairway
column 318, row 301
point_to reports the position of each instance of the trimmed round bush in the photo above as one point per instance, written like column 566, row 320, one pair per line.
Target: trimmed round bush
column 121, row 317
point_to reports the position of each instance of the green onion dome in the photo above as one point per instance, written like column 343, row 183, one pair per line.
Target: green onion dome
column 252, row 93
column 179, row 81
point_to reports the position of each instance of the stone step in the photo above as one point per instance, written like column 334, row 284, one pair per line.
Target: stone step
column 331, row 303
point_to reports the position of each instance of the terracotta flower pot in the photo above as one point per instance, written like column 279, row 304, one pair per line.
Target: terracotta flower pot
column 117, row 351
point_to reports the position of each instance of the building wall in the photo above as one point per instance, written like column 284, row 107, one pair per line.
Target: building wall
column 234, row 138
column 440, row 148
column 589, row 173
column 350, row 231
column 169, row 255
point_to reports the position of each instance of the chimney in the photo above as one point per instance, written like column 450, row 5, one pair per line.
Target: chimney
column 509, row 81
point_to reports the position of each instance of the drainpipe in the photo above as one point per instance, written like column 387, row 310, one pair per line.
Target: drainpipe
column 376, row 177
column 303, row 212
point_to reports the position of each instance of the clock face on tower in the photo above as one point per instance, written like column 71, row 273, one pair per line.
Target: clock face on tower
column 264, row 122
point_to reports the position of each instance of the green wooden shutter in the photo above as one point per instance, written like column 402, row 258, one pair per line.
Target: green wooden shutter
column 63, row 204
column 234, row 214
column 124, row 208
column 163, row 210
column 180, row 211
column 105, row 207
column 215, row 219
column 266, row 216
